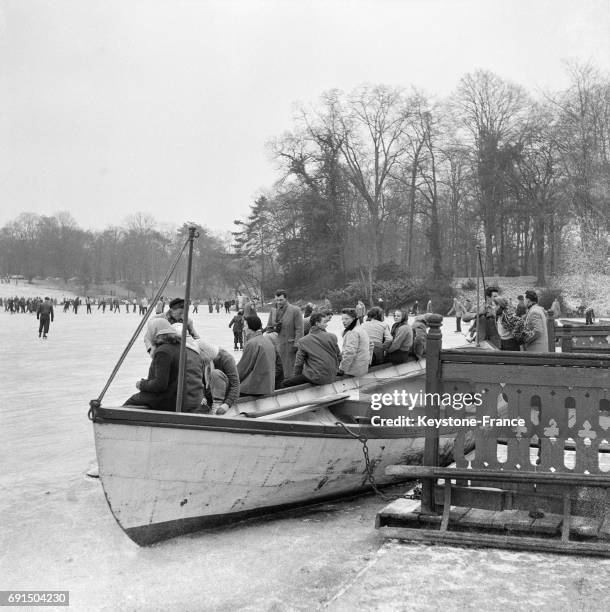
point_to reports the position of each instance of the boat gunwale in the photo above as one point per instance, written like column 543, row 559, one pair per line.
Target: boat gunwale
column 240, row 425
column 475, row 357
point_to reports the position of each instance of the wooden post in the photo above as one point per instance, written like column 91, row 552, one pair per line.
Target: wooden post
column 550, row 330
column 433, row 385
column 185, row 321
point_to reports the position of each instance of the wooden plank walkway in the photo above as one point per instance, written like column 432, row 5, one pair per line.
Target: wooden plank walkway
column 493, row 524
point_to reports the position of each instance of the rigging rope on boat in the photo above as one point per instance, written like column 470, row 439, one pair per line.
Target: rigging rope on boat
column 97, row 402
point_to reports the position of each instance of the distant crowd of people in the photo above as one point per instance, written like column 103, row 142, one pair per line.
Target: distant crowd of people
column 16, row 304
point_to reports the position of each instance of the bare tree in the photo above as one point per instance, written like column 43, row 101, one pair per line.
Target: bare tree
column 584, row 143
column 490, row 112
column 534, row 179
column 373, row 142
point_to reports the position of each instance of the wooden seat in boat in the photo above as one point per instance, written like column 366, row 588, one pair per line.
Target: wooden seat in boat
column 297, row 408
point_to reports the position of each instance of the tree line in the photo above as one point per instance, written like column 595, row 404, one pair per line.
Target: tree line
column 383, row 181
column 135, row 255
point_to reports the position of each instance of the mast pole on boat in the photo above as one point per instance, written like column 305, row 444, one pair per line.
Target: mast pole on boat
column 185, row 318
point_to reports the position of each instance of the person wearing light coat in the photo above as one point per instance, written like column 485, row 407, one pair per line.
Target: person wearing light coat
column 357, row 348
column 378, row 332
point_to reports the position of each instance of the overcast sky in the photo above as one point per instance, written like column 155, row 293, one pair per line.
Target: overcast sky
column 109, row 107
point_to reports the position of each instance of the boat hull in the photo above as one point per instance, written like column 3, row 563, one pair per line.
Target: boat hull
column 165, row 474
column 163, row 479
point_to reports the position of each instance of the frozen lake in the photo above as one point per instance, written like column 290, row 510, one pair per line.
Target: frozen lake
column 58, row 533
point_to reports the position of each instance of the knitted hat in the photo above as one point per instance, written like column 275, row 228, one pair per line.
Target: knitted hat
column 207, row 350
column 160, row 326
column 177, row 303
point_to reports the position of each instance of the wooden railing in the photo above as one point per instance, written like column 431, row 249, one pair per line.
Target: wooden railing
column 562, row 398
column 579, row 338
column 527, row 452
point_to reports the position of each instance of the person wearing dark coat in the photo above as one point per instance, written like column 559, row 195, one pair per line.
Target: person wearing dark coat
column 286, row 320
column 488, row 329
column 221, row 380
column 159, row 390
column 402, row 338
column 194, row 373
column 420, row 336
column 257, row 366
column 249, row 308
column 318, row 355
column 237, row 323
column 521, row 309
column 45, row 315
column 279, row 367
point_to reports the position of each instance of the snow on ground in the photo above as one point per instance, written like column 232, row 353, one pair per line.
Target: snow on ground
column 598, row 286
column 35, row 289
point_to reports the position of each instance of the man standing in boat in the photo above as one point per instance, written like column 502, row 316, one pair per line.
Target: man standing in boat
column 45, row 315
column 286, row 320
column 174, row 314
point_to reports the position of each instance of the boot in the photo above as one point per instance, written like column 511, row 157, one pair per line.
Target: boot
column 216, row 404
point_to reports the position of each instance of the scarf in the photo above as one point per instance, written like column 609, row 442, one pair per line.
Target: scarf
column 396, row 326
column 279, row 312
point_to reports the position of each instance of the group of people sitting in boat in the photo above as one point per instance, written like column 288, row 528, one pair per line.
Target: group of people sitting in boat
column 291, row 350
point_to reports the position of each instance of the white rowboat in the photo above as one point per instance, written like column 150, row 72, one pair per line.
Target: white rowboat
column 165, row 474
